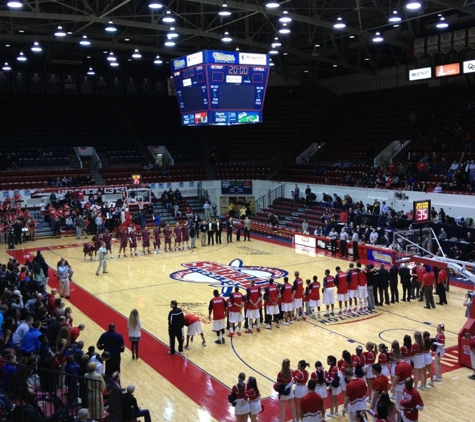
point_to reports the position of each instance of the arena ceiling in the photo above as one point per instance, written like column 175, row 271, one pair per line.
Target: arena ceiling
column 312, row 50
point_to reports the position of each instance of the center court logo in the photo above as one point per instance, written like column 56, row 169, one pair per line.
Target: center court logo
column 227, row 276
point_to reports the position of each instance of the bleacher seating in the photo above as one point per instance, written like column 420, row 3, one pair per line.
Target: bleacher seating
column 122, row 175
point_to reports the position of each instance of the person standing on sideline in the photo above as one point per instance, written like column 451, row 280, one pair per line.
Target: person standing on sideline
column 440, row 351
column 286, row 394
column 219, row 230
column 102, row 252
column 192, row 234
column 254, row 398
column 135, row 331
column 405, row 276
column 333, row 235
column 287, row 307
column 297, row 297
column 242, row 406
column 235, row 314
column 471, row 345
column 211, row 230
column 194, row 327
column 383, row 285
column 355, row 238
column 343, row 243
column 176, row 322
column 442, row 281
column 254, row 306
column 411, row 402
column 112, row 342
column 156, row 240
column 217, row 305
column 312, row 407
column 107, row 238
column 393, row 280
column 247, row 228
column 328, row 292
column 271, row 296
column 355, row 398
column 203, row 229
column 428, row 281
column 63, row 277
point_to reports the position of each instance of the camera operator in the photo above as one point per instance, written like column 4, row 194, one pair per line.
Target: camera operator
column 468, row 302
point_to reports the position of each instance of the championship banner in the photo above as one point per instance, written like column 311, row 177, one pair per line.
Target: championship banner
column 102, row 85
column 419, row 47
column 171, row 87
column 459, row 40
column 159, row 87
column 131, row 87
column 432, row 45
column 19, row 82
column 471, row 38
column 116, row 86
column 53, row 84
column 446, row 42
column 145, row 87
column 86, row 85
column 36, row 83
column 4, row 81
column 69, row 84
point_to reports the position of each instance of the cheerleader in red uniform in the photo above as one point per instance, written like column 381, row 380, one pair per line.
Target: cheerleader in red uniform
column 254, row 398
column 334, row 388
column 440, row 351
column 383, row 359
column 300, row 379
column 406, row 349
column 428, row 359
column 394, row 359
column 418, row 359
column 242, row 407
column 284, row 384
column 345, row 362
column 320, row 376
column 370, row 359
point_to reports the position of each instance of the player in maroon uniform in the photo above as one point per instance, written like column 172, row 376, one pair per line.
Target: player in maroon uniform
column 341, row 281
column 185, row 234
column 254, row 305
column 156, row 240
column 145, row 241
column 88, row 249
column 287, row 307
column 177, row 232
column 235, row 313
column 353, row 286
column 167, row 233
column 133, row 242
column 314, row 296
column 97, row 239
column 123, row 238
column 217, row 306
column 271, row 296
column 329, row 293
column 411, row 402
column 297, row 297
column 194, row 327
column 107, row 238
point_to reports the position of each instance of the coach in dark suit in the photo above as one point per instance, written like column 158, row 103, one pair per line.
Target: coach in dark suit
column 405, row 275
column 211, row 230
column 219, row 229
column 383, row 285
column 393, row 280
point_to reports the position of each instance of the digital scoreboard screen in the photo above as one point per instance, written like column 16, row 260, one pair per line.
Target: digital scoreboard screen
column 230, row 187
column 221, row 88
column 421, row 211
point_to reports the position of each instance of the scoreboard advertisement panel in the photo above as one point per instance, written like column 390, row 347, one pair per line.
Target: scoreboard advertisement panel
column 230, row 187
column 221, row 88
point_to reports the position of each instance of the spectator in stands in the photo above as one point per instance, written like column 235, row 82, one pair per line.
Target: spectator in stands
column 296, row 194
column 130, row 409
column 442, row 234
column 305, row 227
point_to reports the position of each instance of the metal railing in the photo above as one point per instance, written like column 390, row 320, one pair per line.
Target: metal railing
column 203, row 194
column 267, row 199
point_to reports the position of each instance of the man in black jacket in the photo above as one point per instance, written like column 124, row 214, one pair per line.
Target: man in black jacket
column 176, row 322
column 130, row 410
column 383, row 285
column 112, row 342
column 405, row 275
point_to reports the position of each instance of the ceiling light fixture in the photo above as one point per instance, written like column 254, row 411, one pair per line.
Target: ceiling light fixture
column 111, row 57
column 158, row 60
column 84, row 41
column 136, row 54
column 172, row 33
column 170, row 43
column 168, row 18
column 15, row 4
column 60, row 32
column 339, row 24
column 36, row 47
column 285, row 18
column 91, row 72
column 155, row 5
column 413, row 5
column 442, row 23
column 272, row 4
column 276, row 43
column 394, row 17
column 226, row 37
column 378, row 37
column 273, row 52
column 114, row 64
column 224, row 11
column 21, row 57
column 110, row 27
column 285, row 29
column 6, row 67
column 271, row 63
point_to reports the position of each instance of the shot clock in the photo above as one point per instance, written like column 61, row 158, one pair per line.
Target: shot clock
column 421, row 211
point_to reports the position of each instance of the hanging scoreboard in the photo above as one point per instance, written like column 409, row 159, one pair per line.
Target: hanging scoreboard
column 221, row 88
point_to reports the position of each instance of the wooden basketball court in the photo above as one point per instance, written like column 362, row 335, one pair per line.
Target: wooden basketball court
column 194, row 386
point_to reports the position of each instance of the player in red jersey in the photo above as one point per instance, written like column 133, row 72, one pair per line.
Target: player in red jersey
column 235, row 312
column 355, row 398
column 177, row 232
column 133, row 242
column 362, row 287
column 353, row 279
column 217, row 305
column 380, row 385
column 156, row 240
column 314, row 296
column 312, row 405
column 440, row 351
column 254, row 305
column 167, row 233
column 185, row 234
column 297, row 297
column 329, row 293
column 107, row 238
column 271, row 296
column 411, row 402
column 145, row 241
column 88, row 250
column 194, row 327
column 123, row 238
column 287, row 307
column 341, row 281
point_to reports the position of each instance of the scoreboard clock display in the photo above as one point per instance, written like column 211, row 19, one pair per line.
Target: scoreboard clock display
column 231, row 187
column 221, row 88
column 422, row 211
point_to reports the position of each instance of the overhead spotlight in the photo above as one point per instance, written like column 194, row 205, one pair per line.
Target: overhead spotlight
column 276, row 43
column 84, row 41
column 21, row 31
column 366, row 59
column 442, row 23
column 136, row 54
column 169, row 43
column 158, row 60
column 273, row 52
column 394, row 17
column 60, row 32
column 114, row 64
column 91, row 72
column 377, row 37
column 6, row 67
column 168, row 18
column 172, row 33
column 15, row 4
column 237, row 48
column 272, row 4
column 224, row 11
column 110, row 27
column 154, row 5
column 36, row 47
column 285, row 18
column 317, row 45
column 111, row 57
column 271, row 63
column 413, row 5
column 284, row 29
column 352, row 36
column 335, row 65
column 21, row 57
column 226, row 37
column 339, row 24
